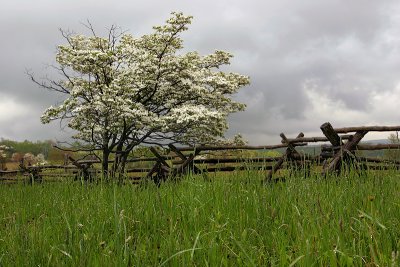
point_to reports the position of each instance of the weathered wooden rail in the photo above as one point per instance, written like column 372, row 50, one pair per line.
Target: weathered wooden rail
column 339, row 146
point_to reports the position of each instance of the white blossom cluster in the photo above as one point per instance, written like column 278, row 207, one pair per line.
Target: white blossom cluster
column 3, row 150
column 32, row 160
column 143, row 89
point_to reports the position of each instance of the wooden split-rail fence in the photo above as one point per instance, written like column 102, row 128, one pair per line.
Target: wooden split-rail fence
column 341, row 148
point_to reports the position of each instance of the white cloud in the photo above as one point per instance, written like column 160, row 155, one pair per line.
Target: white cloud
column 386, row 105
column 322, row 108
column 10, row 110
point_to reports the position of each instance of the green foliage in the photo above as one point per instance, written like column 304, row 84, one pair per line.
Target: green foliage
column 271, row 153
column 141, row 151
column 231, row 221
column 38, row 147
column 393, row 154
column 45, row 148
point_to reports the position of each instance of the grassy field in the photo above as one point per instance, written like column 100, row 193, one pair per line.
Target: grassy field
column 228, row 221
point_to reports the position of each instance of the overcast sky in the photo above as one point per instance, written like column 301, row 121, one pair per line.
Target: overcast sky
column 309, row 61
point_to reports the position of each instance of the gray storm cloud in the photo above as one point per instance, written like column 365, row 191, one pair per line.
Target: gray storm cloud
column 309, row 61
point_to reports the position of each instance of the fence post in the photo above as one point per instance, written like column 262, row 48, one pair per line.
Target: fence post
column 161, row 168
column 341, row 151
column 186, row 160
column 289, row 150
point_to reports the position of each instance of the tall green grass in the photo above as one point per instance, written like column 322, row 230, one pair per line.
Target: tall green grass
column 233, row 220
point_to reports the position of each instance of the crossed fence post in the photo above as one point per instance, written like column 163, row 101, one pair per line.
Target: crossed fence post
column 342, row 151
column 163, row 170
column 187, row 163
column 290, row 151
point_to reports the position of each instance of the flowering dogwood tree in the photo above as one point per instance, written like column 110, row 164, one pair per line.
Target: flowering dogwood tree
column 123, row 91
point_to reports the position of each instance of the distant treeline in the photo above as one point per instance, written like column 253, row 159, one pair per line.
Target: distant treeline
column 39, row 147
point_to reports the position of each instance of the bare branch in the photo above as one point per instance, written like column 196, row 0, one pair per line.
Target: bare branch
column 77, row 150
column 90, row 27
column 49, row 85
column 67, row 36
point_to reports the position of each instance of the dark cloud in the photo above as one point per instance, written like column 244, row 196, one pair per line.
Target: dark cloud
column 306, row 59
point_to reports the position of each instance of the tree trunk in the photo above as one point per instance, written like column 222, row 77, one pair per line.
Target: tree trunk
column 117, row 161
column 119, row 164
column 121, row 156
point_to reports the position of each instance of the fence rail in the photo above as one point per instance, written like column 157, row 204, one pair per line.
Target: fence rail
column 174, row 161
